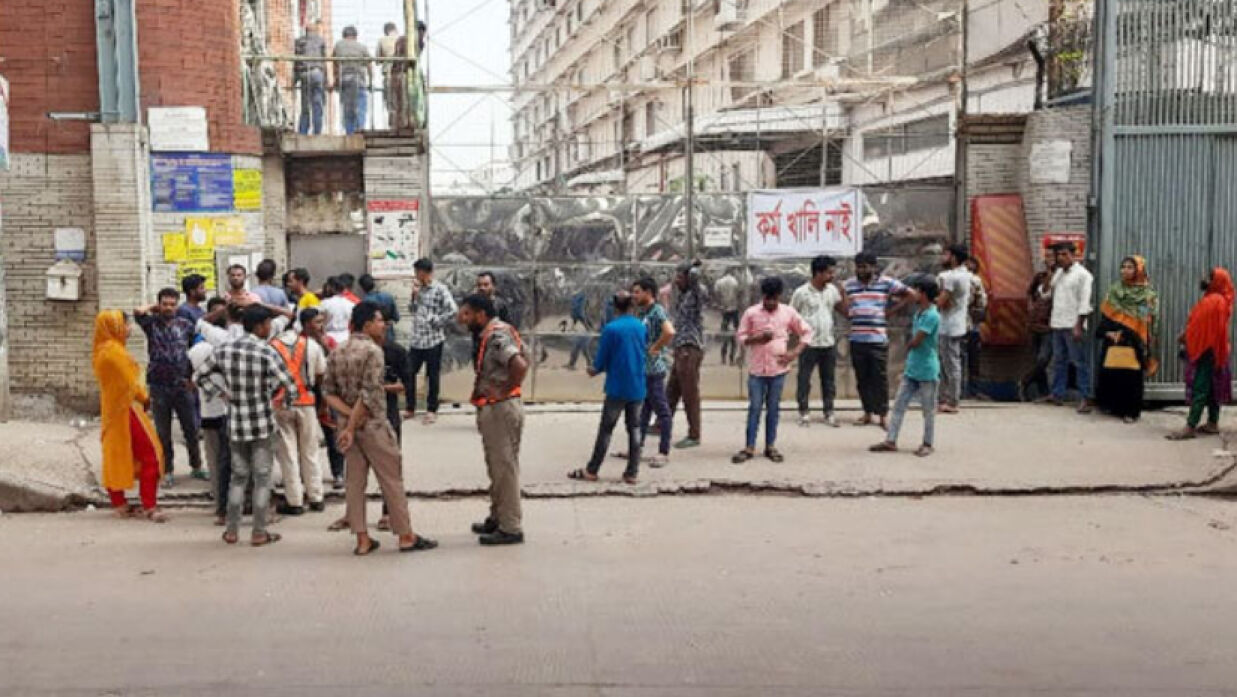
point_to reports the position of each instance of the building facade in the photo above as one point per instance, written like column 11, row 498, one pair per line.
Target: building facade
column 785, row 93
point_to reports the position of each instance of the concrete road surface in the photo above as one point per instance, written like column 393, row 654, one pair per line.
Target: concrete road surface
column 706, row 595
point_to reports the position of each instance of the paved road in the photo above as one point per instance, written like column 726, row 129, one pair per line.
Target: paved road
column 712, row 595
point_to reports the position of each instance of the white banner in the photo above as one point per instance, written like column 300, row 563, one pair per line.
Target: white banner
column 394, row 237
column 804, row 223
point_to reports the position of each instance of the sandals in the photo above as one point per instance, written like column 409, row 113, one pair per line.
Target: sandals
column 126, row 511
column 1188, row 434
column 422, row 544
column 269, row 539
column 384, row 524
column 862, row 421
column 231, row 538
column 582, row 475
column 628, row 479
column 774, row 455
column 1209, row 429
column 741, row 457
column 883, row 447
column 373, row 547
column 154, row 515
column 924, row 450
column 337, row 526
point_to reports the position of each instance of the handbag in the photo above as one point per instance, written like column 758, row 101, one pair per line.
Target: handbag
column 1121, row 358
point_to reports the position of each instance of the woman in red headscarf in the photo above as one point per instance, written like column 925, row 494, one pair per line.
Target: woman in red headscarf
column 1208, row 380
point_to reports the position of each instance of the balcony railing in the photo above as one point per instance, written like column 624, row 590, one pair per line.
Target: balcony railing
column 281, row 92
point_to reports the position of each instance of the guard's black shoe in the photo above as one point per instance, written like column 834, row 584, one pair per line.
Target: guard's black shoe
column 498, row 537
column 317, row 506
column 285, row 509
column 486, row 527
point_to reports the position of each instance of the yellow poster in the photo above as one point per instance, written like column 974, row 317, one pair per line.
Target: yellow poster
column 174, row 248
column 203, row 268
column 229, row 232
column 200, row 238
column 247, row 189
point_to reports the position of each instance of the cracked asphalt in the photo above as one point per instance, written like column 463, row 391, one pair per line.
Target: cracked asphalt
column 707, row 595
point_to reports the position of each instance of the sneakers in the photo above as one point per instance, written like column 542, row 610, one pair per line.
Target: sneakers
column 805, row 420
column 285, row 509
column 498, row 537
column 339, row 482
column 687, row 443
column 429, row 419
column 169, row 481
column 658, row 461
column 832, row 420
column 201, row 474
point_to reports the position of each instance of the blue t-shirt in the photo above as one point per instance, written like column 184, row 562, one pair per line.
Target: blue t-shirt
column 621, row 357
column 654, row 319
column 923, row 362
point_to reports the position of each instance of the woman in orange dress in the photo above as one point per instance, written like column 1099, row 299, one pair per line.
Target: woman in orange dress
column 131, row 449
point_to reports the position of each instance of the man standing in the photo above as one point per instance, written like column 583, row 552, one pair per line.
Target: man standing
column 1071, row 306
column 221, row 325
column 383, row 300
column 354, row 389
column 688, row 348
column 922, row 374
column 168, row 378
column 346, row 281
column 766, row 329
column 1039, row 318
column 975, row 316
column 866, row 299
column 248, row 373
column 659, row 332
column 433, row 309
column 310, row 75
column 298, row 283
column 487, row 285
column 194, row 286
column 352, row 77
column 338, row 311
column 296, row 447
column 500, row 365
column 238, row 293
column 621, row 356
column 386, row 49
column 271, row 295
column 816, row 301
column 953, row 302
column 726, row 291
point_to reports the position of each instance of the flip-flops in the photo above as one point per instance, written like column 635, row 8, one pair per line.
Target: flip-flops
column 373, row 547
column 582, row 475
column 741, row 457
column 774, row 455
column 269, row 539
column 423, row 544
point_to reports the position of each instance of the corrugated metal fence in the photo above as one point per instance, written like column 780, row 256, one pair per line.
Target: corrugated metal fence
column 1167, row 92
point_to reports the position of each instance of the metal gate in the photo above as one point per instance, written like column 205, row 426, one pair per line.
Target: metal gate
column 1167, row 98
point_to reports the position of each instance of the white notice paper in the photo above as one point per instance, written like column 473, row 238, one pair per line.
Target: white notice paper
column 177, row 129
column 1050, row 162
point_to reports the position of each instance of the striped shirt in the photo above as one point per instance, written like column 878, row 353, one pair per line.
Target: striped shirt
column 868, row 304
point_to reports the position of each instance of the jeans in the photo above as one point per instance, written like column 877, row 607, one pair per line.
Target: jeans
column 825, row 361
column 610, row 412
column 871, row 365
column 431, row 358
column 1067, row 351
column 974, row 345
column 313, row 101
column 352, row 103
column 656, row 403
column 766, row 392
column 1037, row 376
column 910, row 389
column 685, row 383
column 951, row 369
column 165, row 401
column 219, row 458
column 251, row 460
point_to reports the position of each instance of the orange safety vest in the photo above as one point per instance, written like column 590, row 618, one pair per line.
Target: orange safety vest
column 479, row 400
column 296, row 365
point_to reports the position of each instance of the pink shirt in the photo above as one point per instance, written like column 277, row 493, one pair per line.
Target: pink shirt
column 762, row 358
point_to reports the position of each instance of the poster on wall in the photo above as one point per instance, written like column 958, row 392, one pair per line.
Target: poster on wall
column 247, row 189
column 394, row 236
column 4, row 124
column 191, row 182
column 784, row 224
column 229, row 231
column 177, row 129
column 1050, row 162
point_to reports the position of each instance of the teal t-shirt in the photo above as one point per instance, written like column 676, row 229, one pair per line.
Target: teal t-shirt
column 923, row 362
column 654, row 318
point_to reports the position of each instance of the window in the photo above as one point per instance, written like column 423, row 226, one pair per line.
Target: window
column 629, row 127
column 618, row 53
column 580, row 11
column 924, row 134
column 792, row 50
column 631, row 40
column 650, row 25
column 824, row 36
column 650, row 119
column 742, row 69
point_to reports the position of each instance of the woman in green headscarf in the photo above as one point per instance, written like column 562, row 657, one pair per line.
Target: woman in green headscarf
column 1126, row 328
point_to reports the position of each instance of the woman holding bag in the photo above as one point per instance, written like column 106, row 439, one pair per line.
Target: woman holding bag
column 131, row 449
column 1126, row 330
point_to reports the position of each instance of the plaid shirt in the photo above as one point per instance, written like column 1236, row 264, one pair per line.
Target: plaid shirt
column 247, row 372
column 355, row 372
column 689, row 317
column 432, row 310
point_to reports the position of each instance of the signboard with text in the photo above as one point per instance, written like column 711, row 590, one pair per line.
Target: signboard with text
column 177, row 129
column 784, row 224
column 394, row 237
column 191, row 182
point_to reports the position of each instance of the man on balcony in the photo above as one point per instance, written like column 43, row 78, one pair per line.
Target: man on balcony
column 311, row 77
column 352, row 77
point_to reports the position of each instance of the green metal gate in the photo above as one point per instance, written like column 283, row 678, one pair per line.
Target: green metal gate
column 1166, row 92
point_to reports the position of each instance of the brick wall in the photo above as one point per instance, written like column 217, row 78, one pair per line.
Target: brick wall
column 1057, row 207
column 189, row 54
column 990, row 169
column 48, row 47
column 49, row 342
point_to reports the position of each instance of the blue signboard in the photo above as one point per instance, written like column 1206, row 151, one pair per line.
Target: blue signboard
column 191, row 181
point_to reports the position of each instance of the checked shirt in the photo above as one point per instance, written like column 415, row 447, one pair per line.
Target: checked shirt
column 432, row 311
column 246, row 372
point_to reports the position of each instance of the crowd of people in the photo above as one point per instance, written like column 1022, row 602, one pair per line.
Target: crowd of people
column 268, row 375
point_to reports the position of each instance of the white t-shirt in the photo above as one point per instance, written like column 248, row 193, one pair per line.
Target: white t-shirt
column 817, row 307
column 958, row 283
column 213, row 407
column 338, row 311
column 1071, row 296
